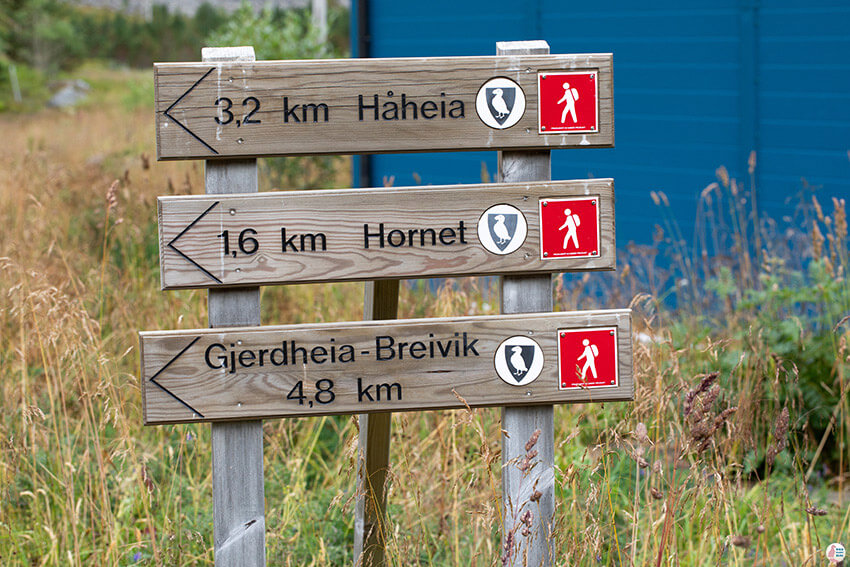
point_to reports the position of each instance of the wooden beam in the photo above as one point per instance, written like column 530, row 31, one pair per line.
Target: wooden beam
column 381, row 303
column 527, row 544
column 379, row 366
column 237, row 448
column 370, row 512
column 248, row 109
column 357, row 234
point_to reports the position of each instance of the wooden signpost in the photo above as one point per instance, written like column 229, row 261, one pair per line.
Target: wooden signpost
column 527, row 294
column 345, row 368
column 239, row 526
column 351, row 106
column 230, row 109
column 311, row 236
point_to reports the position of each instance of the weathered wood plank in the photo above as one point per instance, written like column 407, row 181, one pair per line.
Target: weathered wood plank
column 364, row 367
column 239, row 524
column 351, row 106
column 373, row 448
column 356, row 234
column 524, row 544
column 370, row 514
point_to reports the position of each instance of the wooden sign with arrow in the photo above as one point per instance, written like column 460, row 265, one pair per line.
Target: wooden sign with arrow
column 259, row 108
column 344, row 368
column 359, row 234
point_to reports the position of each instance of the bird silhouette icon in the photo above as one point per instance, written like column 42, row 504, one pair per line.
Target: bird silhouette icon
column 518, row 362
column 499, row 104
column 500, row 230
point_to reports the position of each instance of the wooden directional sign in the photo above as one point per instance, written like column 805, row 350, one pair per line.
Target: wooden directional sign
column 343, row 368
column 347, row 106
column 359, row 234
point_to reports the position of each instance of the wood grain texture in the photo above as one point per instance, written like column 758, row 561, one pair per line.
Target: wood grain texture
column 202, row 375
column 239, row 524
column 373, row 448
column 239, row 521
column 192, row 250
column 370, row 511
column 186, row 109
column 525, row 293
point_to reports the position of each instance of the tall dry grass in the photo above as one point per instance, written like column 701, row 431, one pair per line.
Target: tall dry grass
column 715, row 462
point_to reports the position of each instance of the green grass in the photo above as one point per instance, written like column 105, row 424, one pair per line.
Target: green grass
column 82, row 482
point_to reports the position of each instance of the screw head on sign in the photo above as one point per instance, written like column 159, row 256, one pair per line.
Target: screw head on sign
column 563, row 334
column 611, row 332
column 545, row 254
column 545, row 203
column 543, row 127
column 593, row 202
column 542, row 76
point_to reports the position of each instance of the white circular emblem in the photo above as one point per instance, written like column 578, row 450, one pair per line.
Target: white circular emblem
column 500, row 103
column 519, row 360
column 502, row 229
column 835, row 553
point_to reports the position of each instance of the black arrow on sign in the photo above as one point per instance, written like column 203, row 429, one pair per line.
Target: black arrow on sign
column 166, row 390
column 184, row 231
column 167, row 110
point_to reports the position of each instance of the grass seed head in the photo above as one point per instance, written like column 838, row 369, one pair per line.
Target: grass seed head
column 741, row 541
column 532, row 441
column 780, row 436
column 704, row 385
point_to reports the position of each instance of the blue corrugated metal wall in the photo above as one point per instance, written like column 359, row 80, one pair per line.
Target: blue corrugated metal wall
column 697, row 85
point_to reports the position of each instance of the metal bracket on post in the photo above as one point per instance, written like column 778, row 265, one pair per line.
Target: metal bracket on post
column 239, row 522
column 527, row 294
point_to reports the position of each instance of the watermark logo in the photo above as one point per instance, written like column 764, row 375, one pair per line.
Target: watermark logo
column 836, row 553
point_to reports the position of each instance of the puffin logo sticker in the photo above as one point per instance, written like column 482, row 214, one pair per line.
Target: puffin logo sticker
column 502, row 229
column 500, row 103
column 519, row 360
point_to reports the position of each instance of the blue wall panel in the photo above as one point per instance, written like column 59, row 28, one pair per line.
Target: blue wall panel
column 695, row 87
column 804, row 101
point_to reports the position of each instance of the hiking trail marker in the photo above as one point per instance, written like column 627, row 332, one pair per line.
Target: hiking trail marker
column 230, row 109
column 345, row 368
column 569, row 102
column 355, row 234
column 351, row 106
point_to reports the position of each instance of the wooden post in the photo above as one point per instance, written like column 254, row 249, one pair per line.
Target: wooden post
column 381, row 302
column 237, row 447
column 524, row 294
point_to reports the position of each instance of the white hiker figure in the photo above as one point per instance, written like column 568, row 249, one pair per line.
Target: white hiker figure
column 571, row 224
column 517, row 361
column 570, row 97
column 499, row 104
column 501, row 230
column 589, row 355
